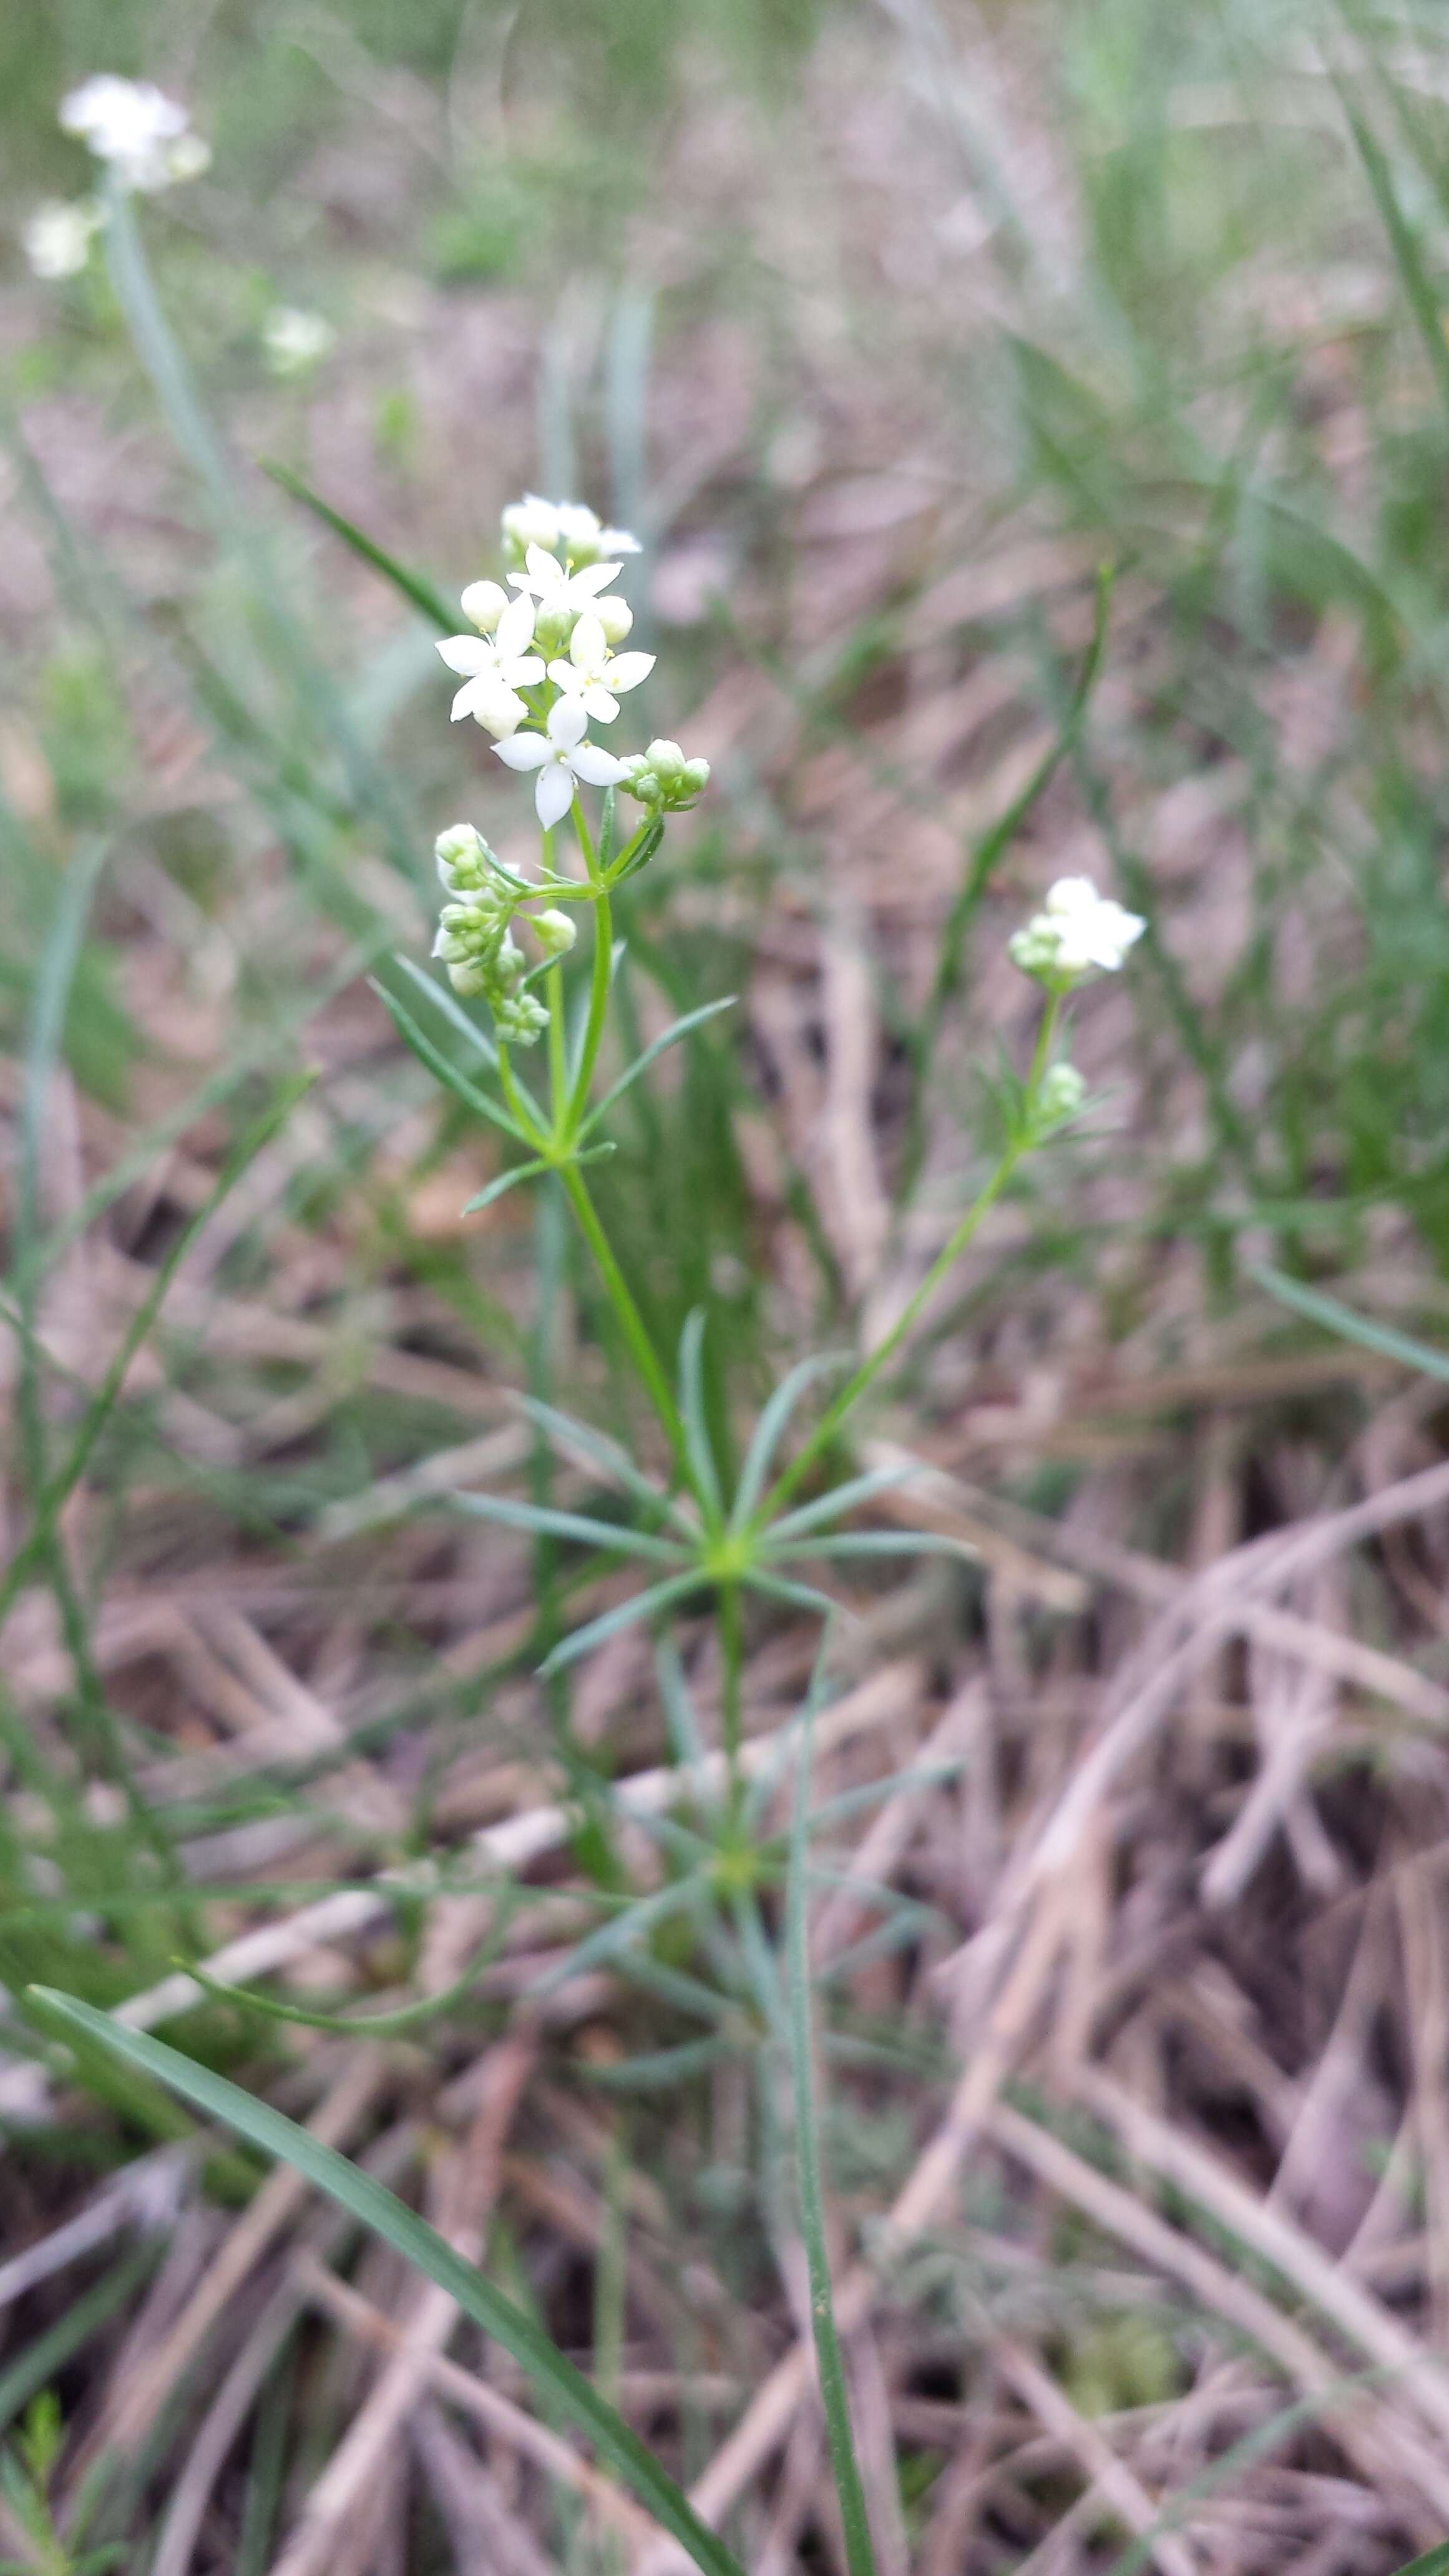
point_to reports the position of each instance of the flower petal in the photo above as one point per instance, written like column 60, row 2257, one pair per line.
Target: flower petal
column 524, row 751
column 567, row 724
column 554, row 794
column 593, row 578
column 588, row 643
column 545, row 572
column 592, row 763
column 626, row 670
column 564, row 676
column 596, row 702
column 524, row 673
column 466, row 653
column 515, row 627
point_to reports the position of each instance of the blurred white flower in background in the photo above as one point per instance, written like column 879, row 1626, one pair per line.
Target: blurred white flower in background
column 494, row 666
column 145, row 136
column 1078, row 933
column 568, row 528
column 592, row 673
column 561, row 756
column 294, row 340
column 57, row 237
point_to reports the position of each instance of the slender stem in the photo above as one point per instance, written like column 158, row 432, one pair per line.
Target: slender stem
column 558, row 1069
column 631, row 1322
column 956, row 1243
column 598, row 1010
column 510, row 1091
column 731, row 1664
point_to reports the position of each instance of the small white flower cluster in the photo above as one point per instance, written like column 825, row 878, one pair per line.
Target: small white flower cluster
column 143, row 135
column 57, row 236
column 1078, row 933
column 540, row 667
column 294, row 341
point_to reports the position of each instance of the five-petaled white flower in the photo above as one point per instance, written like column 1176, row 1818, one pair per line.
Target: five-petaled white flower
column 562, row 758
column 1077, row 933
column 558, row 591
column 495, row 667
column 143, row 134
column 592, row 673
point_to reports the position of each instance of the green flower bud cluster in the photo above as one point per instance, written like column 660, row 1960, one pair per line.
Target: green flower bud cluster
column 1060, row 1095
column 663, row 779
column 475, row 942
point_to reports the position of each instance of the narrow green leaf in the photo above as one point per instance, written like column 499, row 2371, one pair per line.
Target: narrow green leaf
column 876, row 1543
column 414, row 586
column 544, row 1522
column 374, row 2207
column 1334, row 1318
column 842, row 1498
column 506, row 1181
column 670, row 1037
column 445, row 1072
column 445, row 1001
column 609, row 1459
column 642, row 1606
column 765, row 1438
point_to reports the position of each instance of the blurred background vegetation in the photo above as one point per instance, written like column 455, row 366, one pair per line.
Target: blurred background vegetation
column 899, row 328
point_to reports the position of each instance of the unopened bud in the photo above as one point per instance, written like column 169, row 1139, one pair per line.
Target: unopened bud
column 484, row 603
column 554, row 931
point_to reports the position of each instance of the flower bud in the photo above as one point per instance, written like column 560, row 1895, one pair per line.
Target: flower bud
column 461, row 858
column 519, row 1018
column 615, row 616
column 552, row 630
column 696, row 776
column 666, row 760
column 1061, row 1094
column 554, row 931
column 484, row 602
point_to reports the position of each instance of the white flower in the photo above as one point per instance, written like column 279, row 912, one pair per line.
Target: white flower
column 1077, row 933
column 562, row 757
column 294, row 340
column 558, row 591
column 592, row 673
column 569, row 528
column 581, row 538
column 495, row 666
column 530, row 522
column 134, row 126
column 57, row 237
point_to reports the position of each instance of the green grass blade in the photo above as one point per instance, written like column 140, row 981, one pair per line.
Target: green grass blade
column 414, row 586
column 859, row 2554
column 1334, row 1318
column 374, row 2207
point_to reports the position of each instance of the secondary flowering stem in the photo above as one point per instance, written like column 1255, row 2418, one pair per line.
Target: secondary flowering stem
column 836, row 1413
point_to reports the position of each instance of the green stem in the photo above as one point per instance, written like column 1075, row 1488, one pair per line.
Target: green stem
column 510, row 1091
column 956, row 1243
column 598, row 1009
column 631, row 1322
column 731, row 1662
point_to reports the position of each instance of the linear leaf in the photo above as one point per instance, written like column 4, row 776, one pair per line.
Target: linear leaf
column 374, row 2207
column 414, row 586
column 543, row 1521
column 642, row 1606
column 671, row 1036
column 443, row 1070
column 1334, row 1318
